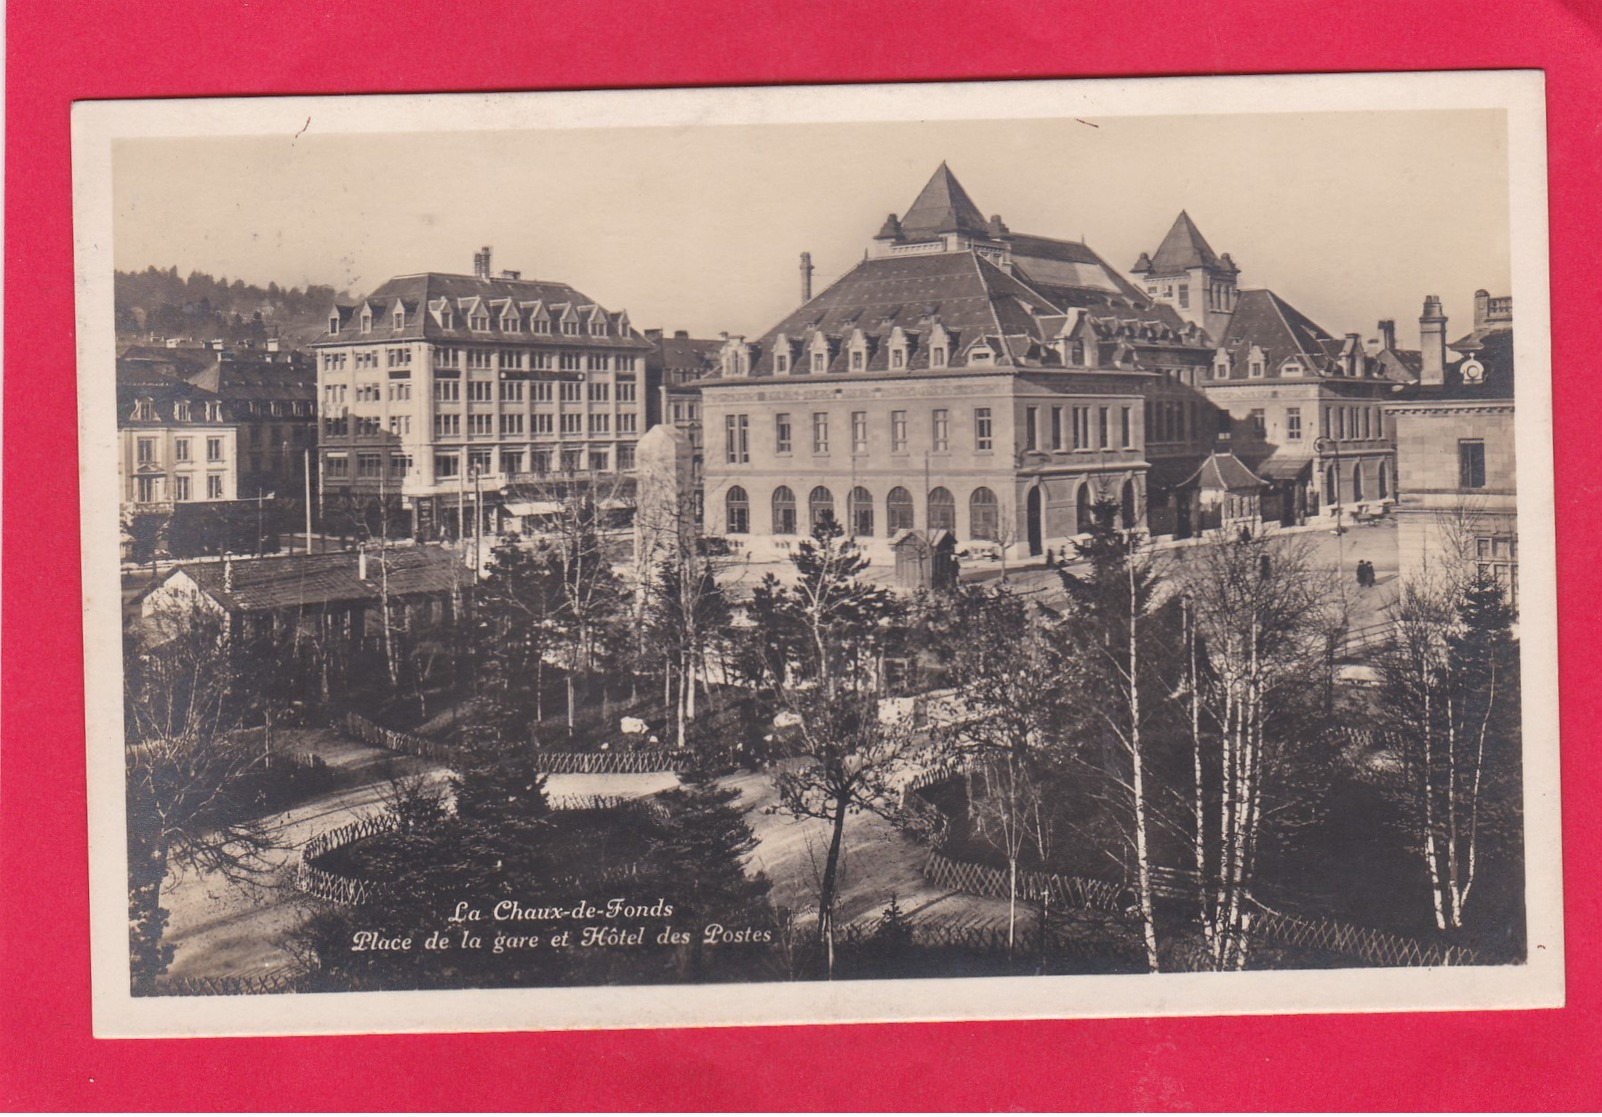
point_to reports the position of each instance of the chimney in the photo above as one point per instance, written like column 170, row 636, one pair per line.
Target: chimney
column 1352, row 354
column 1482, row 309
column 806, row 277
column 361, row 563
column 1432, row 342
column 1387, row 334
column 228, row 575
column 510, row 273
column 481, row 263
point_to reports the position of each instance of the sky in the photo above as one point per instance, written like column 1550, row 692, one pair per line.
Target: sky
column 1351, row 216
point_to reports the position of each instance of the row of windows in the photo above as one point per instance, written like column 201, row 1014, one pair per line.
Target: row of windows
column 209, row 411
column 1333, row 493
column 478, row 320
column 539, row 391
column 1087, row 428
column 817, row 360
column 448, row 465
column 984, row 511
column 147, row 490
column 148, row 452
column 1353, row 422
column 514, row 360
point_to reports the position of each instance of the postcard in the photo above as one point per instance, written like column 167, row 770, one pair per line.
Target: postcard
column 754, row 556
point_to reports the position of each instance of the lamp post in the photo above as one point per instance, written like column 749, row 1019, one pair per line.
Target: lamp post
column 1322, row 446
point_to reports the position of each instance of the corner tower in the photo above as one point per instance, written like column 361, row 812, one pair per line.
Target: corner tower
column 1186, row 274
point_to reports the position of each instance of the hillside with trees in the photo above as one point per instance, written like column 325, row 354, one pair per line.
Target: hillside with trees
column 159, row 302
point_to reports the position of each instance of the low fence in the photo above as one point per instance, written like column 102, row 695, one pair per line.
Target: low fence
column 277, row 981
column 1062, row 890
column 1378, row 948
column 370, row 732
column 336, row 888
column 641, row 762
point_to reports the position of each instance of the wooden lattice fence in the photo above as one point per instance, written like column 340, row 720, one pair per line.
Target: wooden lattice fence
column 642, row 762
column 1377, row 948
column 370, row 732
column 277, row 981
column 1063, row 891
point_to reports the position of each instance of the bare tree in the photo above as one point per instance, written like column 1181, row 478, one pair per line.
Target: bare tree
column 1450, row 676
column 1262, row 610
column 185, row 701
column 851, row 761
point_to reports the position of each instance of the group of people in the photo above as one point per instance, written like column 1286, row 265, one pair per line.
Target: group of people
column 1365, row 574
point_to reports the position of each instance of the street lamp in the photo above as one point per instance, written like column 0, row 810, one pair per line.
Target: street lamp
column 1326, row 445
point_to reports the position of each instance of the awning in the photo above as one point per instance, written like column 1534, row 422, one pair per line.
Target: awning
column 533, row 507
column 1283, row 467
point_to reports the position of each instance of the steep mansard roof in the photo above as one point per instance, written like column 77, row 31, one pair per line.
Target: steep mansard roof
column 425, row 297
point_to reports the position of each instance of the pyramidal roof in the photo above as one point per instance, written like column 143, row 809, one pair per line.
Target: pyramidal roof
column 1184, row 247
column 943, row 207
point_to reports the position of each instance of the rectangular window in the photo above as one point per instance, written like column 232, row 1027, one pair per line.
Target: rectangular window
column 481, row 426
column 1184, row 296
column 1367, row 421
column 1470, row 463
column 820, row 432
column 400, row 464
column 937, row 357
column 214, row 486
column 898, row 432
column 601, row 423
column 1081, row 428
column 898, row 358
column 1101, row 428
column 572, row 424
column 180, row 488
column 1031, row 421
column 540, row 461
column 1259, row 423
column 447, row 391
column 1293, row 424
column 625, row 457
column 400, row 391
column 147, row 451
column 570, row 362
column 511, row 425
column 511, row 391
column 1128, row 431
column 481, row 358
column 600, row 461
column 369, row 465
column 600, row 392
column 942, row 429
column 571, row 460
column 447, row 426
column 781, row 433
column 543, row 424
column 180, row 450
column 400, row 425
column 478, row 461
column 628, row 423
column 400, row 358
column 447, row 465
column 145, row 489
column 480, row 391
column 572, row 391
column 626, row 390
column 859, row 432
column 214, row 449
column 1056, row 428
column 817, row 362
column 337, row 465
column 511, row 462
column 983, row 430
column 857, row 359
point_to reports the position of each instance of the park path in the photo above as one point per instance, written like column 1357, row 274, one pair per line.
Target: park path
column 878, row 861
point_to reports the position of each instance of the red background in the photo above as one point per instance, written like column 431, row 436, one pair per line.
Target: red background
column 100, row 48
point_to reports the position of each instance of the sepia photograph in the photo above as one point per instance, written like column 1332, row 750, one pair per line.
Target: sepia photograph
column 993, row 550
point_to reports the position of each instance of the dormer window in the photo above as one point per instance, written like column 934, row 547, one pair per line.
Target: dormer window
column 570, row 327
column 180, row 411
column 447, row 319
column 400, row 318
column 898, row 357
column 859, row 360
column 817, row 362
column 367, row 321
column 511, row 324
column 479, row 322
column 937, row 357
column 144, row 411
column 1291, row 370
column 542, row 325
column 333, row 323
column 1256, row 368
column 214, row 412
column 781, row 362
column 598, row 326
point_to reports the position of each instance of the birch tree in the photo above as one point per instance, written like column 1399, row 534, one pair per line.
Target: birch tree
column 1261, row 611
